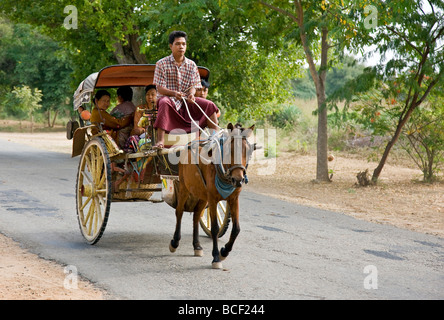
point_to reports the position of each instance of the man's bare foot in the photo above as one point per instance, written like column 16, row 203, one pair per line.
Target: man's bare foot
column 160, row 139
column 158, row 145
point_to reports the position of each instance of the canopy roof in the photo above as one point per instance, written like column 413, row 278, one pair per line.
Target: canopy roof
column 134, row 75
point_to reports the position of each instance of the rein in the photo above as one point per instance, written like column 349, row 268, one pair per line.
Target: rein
column 223, row 173
column 194, row 122
column 223, row 176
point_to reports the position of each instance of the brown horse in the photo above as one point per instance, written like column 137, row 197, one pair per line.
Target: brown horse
column 211, row 182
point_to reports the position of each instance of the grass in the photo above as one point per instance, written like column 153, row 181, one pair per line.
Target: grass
column 7, row 125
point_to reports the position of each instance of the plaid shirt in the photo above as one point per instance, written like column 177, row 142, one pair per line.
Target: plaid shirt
column 172, row 77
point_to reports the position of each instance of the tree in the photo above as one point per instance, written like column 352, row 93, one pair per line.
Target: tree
column 102, row 35
column 29, row 58
column 24, row 102
column 223, row 37
column 413, row 31
column 347, row 69
column 424, row 137
column 134, row 31
column 320, row 26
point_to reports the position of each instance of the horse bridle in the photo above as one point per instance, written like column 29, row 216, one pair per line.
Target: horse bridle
column 225, row 174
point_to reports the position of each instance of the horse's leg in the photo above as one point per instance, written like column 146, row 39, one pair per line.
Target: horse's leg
column 176, row 237
column 216, row 264
column 198, row 251
column 234, row 209
column 182, row 198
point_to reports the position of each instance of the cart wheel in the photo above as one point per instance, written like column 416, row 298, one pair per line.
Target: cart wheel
column 93, row 190
column 223, row 218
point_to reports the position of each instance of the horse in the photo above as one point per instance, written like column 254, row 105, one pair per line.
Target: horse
column 212, row 181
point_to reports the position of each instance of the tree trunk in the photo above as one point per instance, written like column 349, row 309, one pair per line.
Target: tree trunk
column 410, row 105
column 130, row 54
column 322, row 140
column 54, row 119
column 402, row 121
column 319, row 81
column 322, row 143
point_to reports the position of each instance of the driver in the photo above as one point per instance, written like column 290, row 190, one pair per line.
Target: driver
column 177, row 77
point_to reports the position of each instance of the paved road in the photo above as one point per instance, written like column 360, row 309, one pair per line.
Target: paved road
column 284, row 251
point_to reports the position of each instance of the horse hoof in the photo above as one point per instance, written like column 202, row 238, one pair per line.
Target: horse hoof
column 198, row 253
column 221, row 257
column 217, row 265
column 172, row 249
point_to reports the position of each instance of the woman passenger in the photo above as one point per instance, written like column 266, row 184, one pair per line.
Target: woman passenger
column 100, row 116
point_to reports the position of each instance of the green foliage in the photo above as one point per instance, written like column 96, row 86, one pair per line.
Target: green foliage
column 223, row 36
column 29, row 58
column 423, row 138
column 22, row 102
column 287, row 117
column 303, row 88
column 347, row 70
column 411, row 34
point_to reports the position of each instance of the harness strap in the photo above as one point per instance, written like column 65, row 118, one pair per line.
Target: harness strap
column 197, row 164
column 201, row 175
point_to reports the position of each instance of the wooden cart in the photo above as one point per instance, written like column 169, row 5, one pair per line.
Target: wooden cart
column 107, row 174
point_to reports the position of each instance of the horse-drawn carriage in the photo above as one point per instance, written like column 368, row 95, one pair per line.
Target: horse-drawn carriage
column 108, row 174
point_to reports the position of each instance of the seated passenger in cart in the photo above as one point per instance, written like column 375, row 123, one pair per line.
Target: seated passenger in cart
column 177, row 77
column 100, row 116
column 125, row 108
column 150, row 98
column 141, row 133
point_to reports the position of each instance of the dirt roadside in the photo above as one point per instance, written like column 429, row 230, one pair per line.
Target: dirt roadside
column 399, row 199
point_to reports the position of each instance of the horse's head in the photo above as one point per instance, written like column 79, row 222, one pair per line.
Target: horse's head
column 237, row 152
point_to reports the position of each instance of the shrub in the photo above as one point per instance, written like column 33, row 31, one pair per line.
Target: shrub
column 423, row 138
column 287, row 117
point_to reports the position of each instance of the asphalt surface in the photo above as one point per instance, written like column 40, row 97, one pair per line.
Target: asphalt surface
column 284, row 250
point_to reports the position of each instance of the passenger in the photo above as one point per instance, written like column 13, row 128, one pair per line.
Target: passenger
column 125, row 108
column 203, row 92
column 99, row 115
column 151, row 98
column 176, row 77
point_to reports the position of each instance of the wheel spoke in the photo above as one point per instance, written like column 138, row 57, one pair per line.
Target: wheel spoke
column 97, row 215
column 86, row 202
column 101, row 200
column 208, row 219
column 102, row 181
column 86, row 176
column 88, row 162
column 98, row 211
column 96, row 171
column 100, row 169
column 88, row 218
